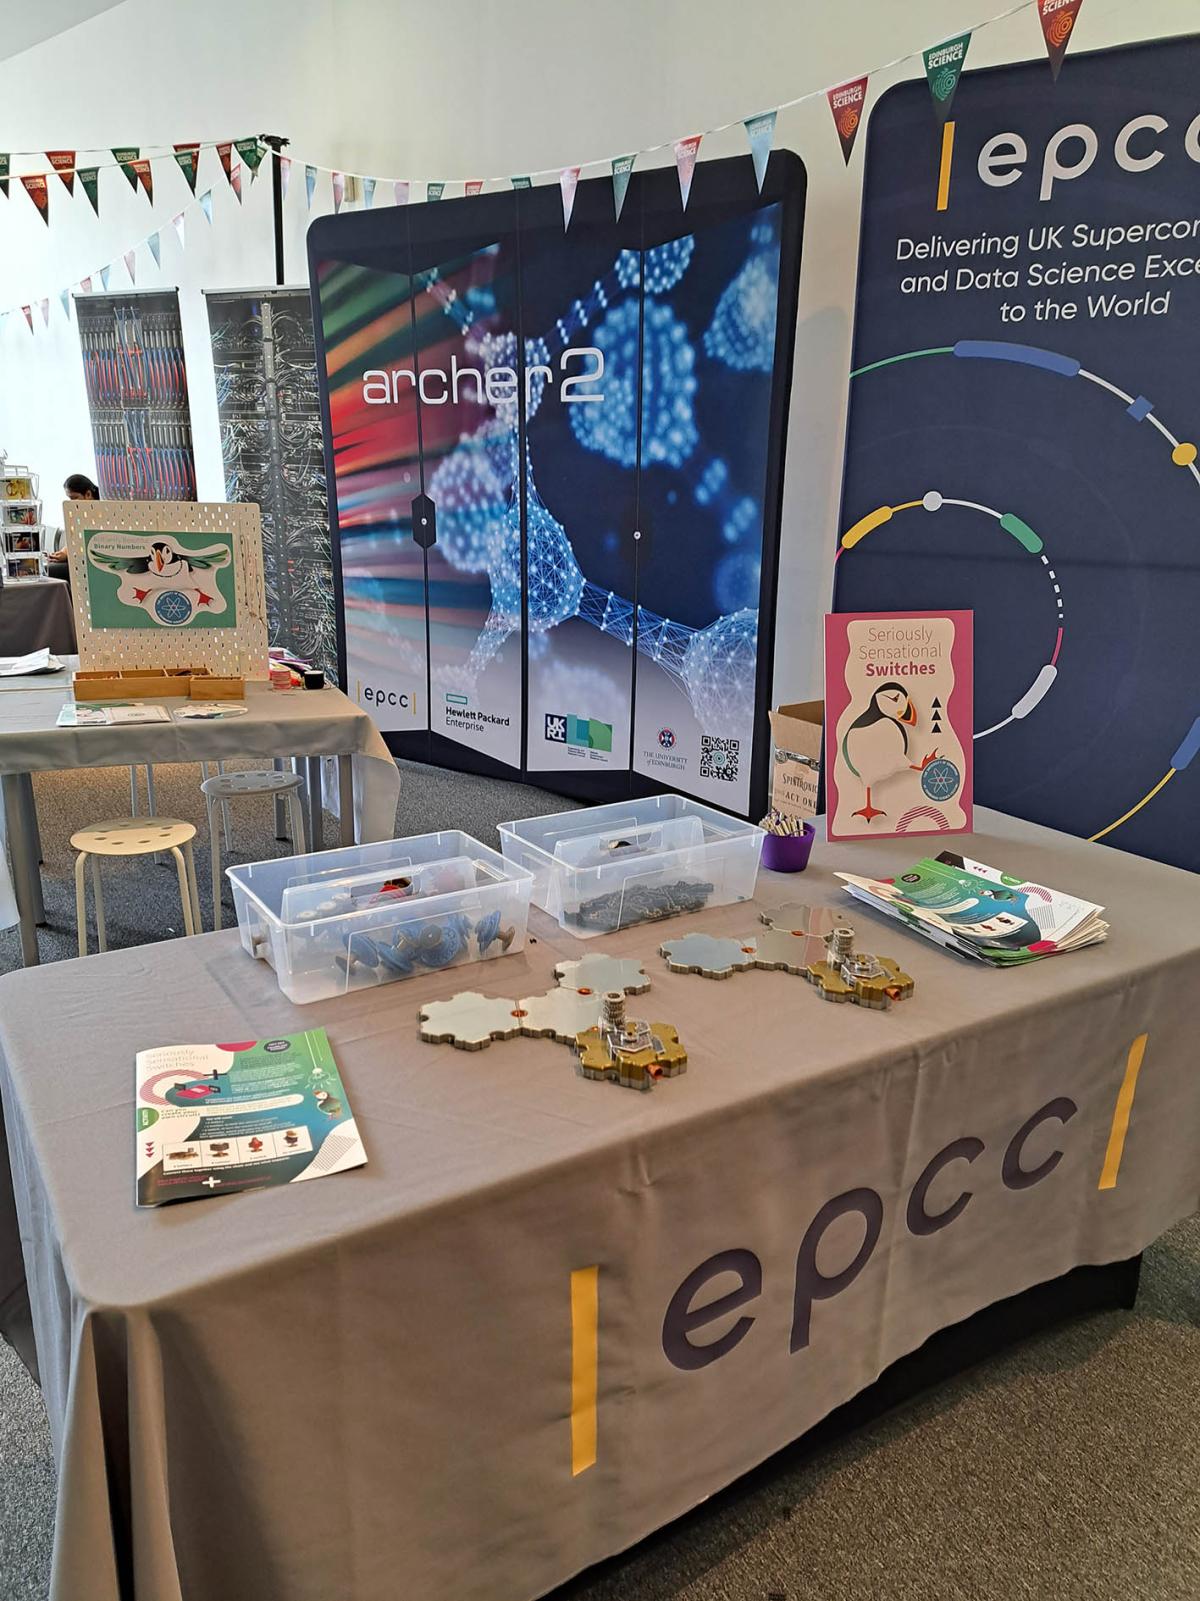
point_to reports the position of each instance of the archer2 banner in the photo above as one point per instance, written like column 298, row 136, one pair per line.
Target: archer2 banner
column 1024, row 422
column 555, row 462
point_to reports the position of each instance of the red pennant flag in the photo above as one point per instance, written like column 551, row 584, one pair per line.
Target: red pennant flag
column 339, row 190
column 568, row 182
column 235, row 178
column 63, row 162
column 1057, row 18
column 38, row 191
column 685, row 162
column 86, row 285
column 226, row 154
column 145, row 177
column 473, row 186
column 847, row 102
column 28, row 310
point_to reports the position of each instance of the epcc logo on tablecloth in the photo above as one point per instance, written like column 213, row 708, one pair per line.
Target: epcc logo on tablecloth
column 688, row 1314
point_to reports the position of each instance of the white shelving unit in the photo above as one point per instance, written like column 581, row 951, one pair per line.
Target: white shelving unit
column 21, row 528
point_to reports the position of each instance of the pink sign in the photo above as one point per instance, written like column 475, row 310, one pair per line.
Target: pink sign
column 899, row 721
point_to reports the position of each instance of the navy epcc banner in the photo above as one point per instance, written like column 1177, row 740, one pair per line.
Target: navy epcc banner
column 1024, row 422
column 555, row 460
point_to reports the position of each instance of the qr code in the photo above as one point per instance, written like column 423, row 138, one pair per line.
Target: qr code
column 718, row 757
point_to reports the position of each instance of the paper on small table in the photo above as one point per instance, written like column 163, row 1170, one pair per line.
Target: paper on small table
column 77, row 714
column 209, row 710
column 37, row 661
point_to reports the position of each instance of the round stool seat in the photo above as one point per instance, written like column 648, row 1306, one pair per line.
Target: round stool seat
column 133, row 836
column 227, row 786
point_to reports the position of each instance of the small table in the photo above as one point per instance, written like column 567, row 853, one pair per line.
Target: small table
column 550, row 1315
column 35, row 613
column 307, row 723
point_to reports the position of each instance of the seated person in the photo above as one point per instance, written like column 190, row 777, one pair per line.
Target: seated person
column 78, row 487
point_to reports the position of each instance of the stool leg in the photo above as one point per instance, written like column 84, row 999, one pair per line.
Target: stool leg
column 150, row 802
column 296, row 822
column 185, row 890
column 189, row 858
column 225, row 815
column 98, row 893
column 277, row 765
column 214, row 846
column 81, row 903
column 133, row 792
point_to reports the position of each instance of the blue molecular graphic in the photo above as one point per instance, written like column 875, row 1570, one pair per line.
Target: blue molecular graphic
column 669, row 432
column 665, row 265
column 172, row 607
column 742, row 331
column 736, row 582
column 719, row 669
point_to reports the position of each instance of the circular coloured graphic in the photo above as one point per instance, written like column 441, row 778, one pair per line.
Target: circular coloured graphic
column 941, row 779
column 172, row 607
column 666, row 738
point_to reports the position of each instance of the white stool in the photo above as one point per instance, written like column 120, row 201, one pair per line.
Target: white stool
column 134, row 836
column 218, row 792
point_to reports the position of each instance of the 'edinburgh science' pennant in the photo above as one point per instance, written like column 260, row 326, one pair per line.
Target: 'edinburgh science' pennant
column 125, row 157
column 568, row 182
column 368, row 193
column 685, row 163
column 145, row 177
column 285, row 175
column 1057, row 18
column 63, row 162
column 5, row 164
column 251, row 153
column 339, row 191
column 89, row 177
column 847, row 102
column 400, row 191
column 622, row 169
column 760, row 131
column 943, row 69
column 155, row 248
column 187, row 157
column 38, row 191
column 434, row 191
column 473, row 186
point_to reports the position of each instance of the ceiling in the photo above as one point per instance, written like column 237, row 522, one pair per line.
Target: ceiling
column 27, row 25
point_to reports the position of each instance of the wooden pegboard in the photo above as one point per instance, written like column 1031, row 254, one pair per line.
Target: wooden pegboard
column 240, row 651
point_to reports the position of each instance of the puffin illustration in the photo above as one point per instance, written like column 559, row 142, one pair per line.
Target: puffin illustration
column 875, row 746
column 164, row 565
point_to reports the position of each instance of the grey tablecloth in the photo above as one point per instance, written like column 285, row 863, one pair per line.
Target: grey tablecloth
column 372, row 1386
column 35, row 614
column 277, row 723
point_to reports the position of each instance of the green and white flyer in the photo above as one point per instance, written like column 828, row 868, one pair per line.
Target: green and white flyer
column 215, row 1119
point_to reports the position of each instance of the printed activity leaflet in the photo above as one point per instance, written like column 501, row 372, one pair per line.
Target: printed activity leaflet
column 212, row 1119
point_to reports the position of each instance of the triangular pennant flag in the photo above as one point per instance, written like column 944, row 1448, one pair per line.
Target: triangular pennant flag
column 64, row 296
column 943, row 68
column 400, row 191
column 235, row 180
column 38, row 191
column 685, row 161
column 127, row 155
column 44, row 303
column 206, row 204
column 522, row 183
column 86, row 285
column 368, row 192
column 1057, row 18
column 339, row 190
column 63, row 162
column 104, row 276
column 622, row 167
column 89, row 177
column 434, row 191
column 155, row 249
column 473, row 186
column 568, row 182
column 847, row 102
column 28, row 310
column 225, row 152
column 251, row 152
column 310, row 183
column 188, row 158
column 131, row 264
column 179, row 223
column 5, row 163
column 760, row 131
column 285, row 175
column 145, row 177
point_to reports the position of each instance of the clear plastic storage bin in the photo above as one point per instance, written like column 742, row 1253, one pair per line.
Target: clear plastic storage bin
column 369, row 914
column 608, row 867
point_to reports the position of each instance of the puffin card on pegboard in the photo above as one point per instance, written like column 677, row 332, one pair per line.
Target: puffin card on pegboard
column 898, row 723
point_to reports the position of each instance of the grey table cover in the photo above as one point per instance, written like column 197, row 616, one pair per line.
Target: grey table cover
column 384, row 1384
column 35, row 614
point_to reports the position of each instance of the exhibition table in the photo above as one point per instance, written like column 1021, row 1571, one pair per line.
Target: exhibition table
column 276, row 723
column 550, row 1314
column 36, row 614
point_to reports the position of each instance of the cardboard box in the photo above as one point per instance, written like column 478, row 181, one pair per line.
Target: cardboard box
column 796, row 769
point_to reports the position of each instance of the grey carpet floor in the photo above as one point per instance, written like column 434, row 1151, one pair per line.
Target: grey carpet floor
column 1067, row 1469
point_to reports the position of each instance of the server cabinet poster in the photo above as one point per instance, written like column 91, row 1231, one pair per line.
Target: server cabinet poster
column 556, row 460
column 1024, row 423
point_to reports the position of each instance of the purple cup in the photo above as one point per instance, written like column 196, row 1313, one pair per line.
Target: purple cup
column 788, row 853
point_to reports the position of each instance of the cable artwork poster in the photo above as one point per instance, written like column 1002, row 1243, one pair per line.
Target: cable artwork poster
column 270, row 417
column 556, row 467
column 136, row 379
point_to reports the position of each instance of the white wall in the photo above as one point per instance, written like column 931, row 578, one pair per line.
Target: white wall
column 400, row 88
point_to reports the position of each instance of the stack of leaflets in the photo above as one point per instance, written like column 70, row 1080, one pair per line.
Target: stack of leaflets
column 980, row 912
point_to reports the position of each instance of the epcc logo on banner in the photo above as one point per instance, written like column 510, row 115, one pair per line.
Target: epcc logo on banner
column 688, row 1314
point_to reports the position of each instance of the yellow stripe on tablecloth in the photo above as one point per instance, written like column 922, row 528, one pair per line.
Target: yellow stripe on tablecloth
column 1120, row 1121
column 585, row 1354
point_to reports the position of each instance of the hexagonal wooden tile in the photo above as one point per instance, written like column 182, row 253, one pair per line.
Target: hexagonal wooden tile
column 780, row 950
column 597, row 972
column 470, row 1021
column 798, row 918
column 561, row 1013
